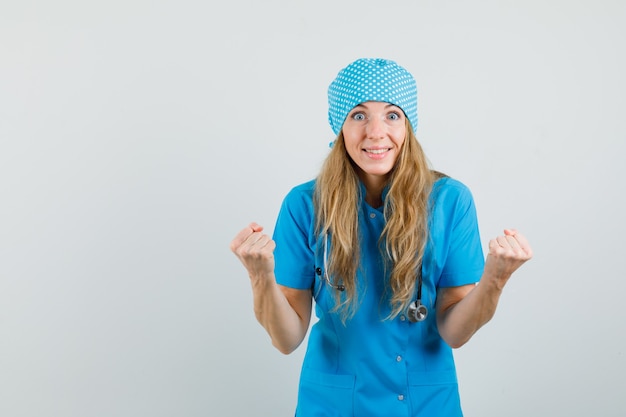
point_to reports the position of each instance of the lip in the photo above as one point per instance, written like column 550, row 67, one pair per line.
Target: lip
column 377, row 153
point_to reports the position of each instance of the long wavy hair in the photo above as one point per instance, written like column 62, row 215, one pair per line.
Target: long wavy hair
column 336, row 200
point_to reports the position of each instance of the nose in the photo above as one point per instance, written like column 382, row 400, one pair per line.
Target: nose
column 375, row 128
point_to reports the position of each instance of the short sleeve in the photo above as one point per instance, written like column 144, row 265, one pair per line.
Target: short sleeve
column 454, row 230
column 294, row 236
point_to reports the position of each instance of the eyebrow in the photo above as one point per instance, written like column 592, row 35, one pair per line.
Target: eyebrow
column 387, row 106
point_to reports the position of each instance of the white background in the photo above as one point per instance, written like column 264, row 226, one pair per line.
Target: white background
column 138, row 137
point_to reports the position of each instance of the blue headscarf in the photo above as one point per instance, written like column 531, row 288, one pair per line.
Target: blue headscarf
column 371, row 79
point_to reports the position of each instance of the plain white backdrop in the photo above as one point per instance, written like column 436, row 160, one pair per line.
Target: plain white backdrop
column 138, row 137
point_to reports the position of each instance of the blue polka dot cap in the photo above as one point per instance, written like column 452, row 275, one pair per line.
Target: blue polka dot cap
column 371, row 79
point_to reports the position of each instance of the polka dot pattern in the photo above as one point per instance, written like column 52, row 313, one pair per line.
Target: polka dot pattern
column 371, row 79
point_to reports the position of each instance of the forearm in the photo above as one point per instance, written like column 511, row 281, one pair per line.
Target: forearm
column 273, row 311
column 459, row 322
column 460, row 314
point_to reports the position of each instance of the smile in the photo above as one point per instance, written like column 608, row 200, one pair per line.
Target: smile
column 377, row 151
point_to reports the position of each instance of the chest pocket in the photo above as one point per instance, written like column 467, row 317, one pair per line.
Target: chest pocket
column 324, row 286
column 323, row 290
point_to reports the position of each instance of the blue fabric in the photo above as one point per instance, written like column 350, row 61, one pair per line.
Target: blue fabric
column 372, row 366
column 371, row 79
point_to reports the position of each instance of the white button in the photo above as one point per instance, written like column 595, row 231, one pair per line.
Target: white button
column 402, row 318
column 372, row 215
column 398, row 358
column 401, row 397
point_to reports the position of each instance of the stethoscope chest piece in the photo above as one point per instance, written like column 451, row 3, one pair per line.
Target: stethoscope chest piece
column 417, row 311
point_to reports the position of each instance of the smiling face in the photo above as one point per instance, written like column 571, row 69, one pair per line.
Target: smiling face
column 373, row 134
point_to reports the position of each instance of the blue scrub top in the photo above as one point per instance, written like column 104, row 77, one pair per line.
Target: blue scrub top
column 369, row 365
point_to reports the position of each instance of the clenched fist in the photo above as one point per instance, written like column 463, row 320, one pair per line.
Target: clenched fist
column 255, row 250
column 506, row 254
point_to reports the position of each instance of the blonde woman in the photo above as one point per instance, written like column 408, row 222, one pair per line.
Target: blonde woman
column 389, row 250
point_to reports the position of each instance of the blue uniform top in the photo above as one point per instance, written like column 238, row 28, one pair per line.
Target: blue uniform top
column 372, row 366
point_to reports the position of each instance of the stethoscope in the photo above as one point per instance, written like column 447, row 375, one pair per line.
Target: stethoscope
column 417, row 311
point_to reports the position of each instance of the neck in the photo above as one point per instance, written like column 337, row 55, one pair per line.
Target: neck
column 374, row 186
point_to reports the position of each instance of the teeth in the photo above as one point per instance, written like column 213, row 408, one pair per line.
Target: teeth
column 377, row 151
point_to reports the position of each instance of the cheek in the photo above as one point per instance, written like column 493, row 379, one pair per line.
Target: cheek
column 350, row 141
column 399, row 138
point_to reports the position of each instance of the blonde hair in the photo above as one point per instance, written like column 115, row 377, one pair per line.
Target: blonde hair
column 404, row 237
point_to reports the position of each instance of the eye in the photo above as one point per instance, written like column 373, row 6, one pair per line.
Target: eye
column 358, row 116
column 394, row 116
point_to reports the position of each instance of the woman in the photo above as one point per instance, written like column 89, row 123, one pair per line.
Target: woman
column 390, row 252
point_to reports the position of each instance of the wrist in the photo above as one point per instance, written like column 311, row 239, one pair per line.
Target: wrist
column 494, row 283
column 262, row 280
